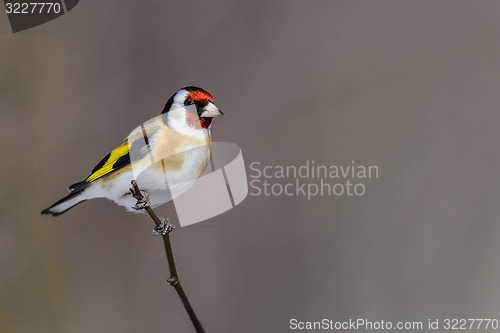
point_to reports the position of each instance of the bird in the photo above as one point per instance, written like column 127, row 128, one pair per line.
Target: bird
column 165, row 155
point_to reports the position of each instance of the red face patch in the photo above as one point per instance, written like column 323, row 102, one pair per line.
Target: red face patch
column 205, row 122
column 200, row 96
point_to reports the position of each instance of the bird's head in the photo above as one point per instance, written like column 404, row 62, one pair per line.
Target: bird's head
column 190, row 109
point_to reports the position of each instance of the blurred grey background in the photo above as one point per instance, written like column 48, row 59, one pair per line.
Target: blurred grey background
column 409, row 86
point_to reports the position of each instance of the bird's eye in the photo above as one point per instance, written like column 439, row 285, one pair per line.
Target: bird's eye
column 188, row 102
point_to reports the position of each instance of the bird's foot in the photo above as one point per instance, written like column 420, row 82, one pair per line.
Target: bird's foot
column 164, row 228
column 143, row 203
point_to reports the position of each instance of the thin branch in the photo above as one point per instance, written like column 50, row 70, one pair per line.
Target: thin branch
column 164, row 230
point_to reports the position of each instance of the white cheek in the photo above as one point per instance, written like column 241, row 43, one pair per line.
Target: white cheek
column 176, row 120
column 176, row 116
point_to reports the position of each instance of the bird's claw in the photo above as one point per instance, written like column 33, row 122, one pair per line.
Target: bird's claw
column 143, row 203
column 164, row 228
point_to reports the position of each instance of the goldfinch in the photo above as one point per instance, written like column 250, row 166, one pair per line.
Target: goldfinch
column 165, row 155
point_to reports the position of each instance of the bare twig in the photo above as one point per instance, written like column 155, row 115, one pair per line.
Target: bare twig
column 164, row 229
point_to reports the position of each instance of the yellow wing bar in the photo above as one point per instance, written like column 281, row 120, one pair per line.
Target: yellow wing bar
column 109, row 163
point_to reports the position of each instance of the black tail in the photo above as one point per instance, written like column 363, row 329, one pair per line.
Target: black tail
column 69, row 201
